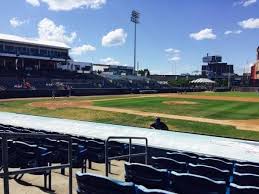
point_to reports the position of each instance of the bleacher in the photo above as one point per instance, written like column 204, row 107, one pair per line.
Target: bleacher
column 166, row 172
column 135, row 82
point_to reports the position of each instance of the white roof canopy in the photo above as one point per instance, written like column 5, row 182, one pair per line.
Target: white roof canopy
column 203, row 81
column 32, row 41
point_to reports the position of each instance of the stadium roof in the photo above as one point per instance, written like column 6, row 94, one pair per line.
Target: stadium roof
column 203, row 81
column 32, row 41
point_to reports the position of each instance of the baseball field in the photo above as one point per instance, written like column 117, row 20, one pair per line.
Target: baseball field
column 230, row 114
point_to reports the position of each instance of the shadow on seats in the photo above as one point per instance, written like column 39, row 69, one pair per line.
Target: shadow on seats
column 169, row 164
column 194, row 184
column 146, row 175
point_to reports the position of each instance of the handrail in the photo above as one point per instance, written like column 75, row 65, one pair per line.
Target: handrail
column 129, row 156
column 6, row 173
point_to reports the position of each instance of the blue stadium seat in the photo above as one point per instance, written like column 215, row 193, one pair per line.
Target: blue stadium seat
column 95, row 152
column 31, row 156
column 169, row 164
column 181, row 157
column 220, row 164
column 96, row 184
column 143, row 190
column 147, row 176
column 194, row 184
column 117, row 149
column 247, row 168
column 246, row 179
column 236, row 189
column 209, row 172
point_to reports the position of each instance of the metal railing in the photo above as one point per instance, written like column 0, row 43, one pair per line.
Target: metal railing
column 6, row 173
column 129, row 156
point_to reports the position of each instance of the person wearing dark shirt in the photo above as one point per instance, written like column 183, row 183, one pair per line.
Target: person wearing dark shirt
column 158, row 124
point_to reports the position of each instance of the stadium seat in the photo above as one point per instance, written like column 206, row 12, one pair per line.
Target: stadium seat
column 31, row 156
column 247, row 168
column 181, row 157
column 236, row 189
column 96, row 184
column 169, row 164
column 95, row 152
column 219, row 158
column 147, row 176
column 209, row 172
column 246, row 179
column 143, row 190
column 220, row 164
column 117, row 149
column 194, row 184
column 79, row 155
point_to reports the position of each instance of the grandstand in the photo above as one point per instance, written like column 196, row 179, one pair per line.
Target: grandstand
column 27, row 65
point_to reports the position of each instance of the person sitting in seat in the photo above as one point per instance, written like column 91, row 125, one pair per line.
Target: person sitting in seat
column 158, row 124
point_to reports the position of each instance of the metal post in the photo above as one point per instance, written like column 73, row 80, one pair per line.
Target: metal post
column 5, row 164
column 106, row 158
column 130, row 142
column 146, row 151
column 70, row 167
column 135, row 20
column 135, row 49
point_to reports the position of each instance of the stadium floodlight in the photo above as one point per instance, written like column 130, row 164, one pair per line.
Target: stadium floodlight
column 135, row 19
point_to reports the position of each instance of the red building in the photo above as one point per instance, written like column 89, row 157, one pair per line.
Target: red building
column 255, row 71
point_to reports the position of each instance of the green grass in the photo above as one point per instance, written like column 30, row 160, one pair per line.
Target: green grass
column 214, row 109
column 127, row 119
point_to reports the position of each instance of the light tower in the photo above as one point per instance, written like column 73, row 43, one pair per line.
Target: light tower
column 135, row 20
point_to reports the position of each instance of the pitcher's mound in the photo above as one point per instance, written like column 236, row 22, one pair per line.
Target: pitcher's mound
column 180, row 102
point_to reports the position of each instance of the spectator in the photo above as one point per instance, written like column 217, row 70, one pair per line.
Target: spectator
column 158, row 124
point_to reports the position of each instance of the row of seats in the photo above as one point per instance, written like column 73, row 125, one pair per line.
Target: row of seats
column 30, row 153
column 96, row 184
column 187, row 183
column 221, row 173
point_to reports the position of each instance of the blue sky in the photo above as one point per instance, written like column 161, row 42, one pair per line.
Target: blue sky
column 173, row 34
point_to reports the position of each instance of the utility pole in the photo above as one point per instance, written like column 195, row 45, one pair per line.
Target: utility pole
column 135, row 20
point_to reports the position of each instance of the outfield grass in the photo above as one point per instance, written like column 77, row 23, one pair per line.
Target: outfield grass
column 214, row 109
column 126, row 119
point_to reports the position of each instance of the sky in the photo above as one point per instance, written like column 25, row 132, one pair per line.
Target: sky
column 172, row 36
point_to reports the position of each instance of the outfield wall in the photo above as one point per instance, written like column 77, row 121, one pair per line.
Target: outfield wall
column 88, row 92
column 246, row 89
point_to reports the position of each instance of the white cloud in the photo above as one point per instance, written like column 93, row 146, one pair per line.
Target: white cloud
column 114, row 38
column 82, row 49
column 48, row 30
column 248, row 2
column 245, row 3
column 206, row 33
column 15, row 22
column 67, row 5
column 171, row 50
column 174, row 59
column 228, row 32
column 109, row 61
column 173, row 55
column 34, row 3
column 251, row 23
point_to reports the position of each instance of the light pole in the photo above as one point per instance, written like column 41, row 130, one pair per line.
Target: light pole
column 135, row 20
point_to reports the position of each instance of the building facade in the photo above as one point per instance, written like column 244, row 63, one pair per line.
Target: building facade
column 113, row 69
column 255, row 70
column 215, row 68
column 21, row 54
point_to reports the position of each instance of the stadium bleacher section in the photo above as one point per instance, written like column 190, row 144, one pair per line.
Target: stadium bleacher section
column 176, row 171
